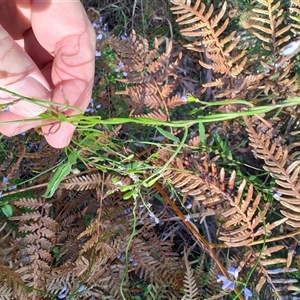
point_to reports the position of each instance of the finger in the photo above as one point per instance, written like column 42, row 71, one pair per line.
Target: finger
column 15, row 17
column 19, row 74
column 14, row 124
column 58, row 135
column 71, row 40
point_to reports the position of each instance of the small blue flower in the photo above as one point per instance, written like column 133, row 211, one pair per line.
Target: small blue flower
column 95, row 25
column 247, row 293
column 230, row 284
column 121, row 65
column 127, row 211
column 5, row 180
column 227, row 283
column 12, row 187
column 63, row 293
column 234, row 272
column 6, row 109
column 100, row 36
column 183, row 98
column 187, row 218
column 276, row 194
column 89, row 110
column 291, row 48
column 81, row 288
column 124, row 36
column 64, row 288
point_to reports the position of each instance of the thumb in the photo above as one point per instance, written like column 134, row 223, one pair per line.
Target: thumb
column 19, row 74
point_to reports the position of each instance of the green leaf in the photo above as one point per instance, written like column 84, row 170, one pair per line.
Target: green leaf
column 151, row 182
column 7, row 210
column 202, row 133
column 168, row 135
column 61, row 173
column 55, row 251
column 128, row 195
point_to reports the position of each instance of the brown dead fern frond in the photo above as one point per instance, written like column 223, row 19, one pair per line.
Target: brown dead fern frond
column 13, row 169
column 156, row 115
column 67, row 279
column 271, row 275
column 71, row 216
column 9, row 293
column 244, row 220
column 11, row 285
column 208, row 32
column 144, row 95
column 200, row 179
column 150, row 77
column 6, row 161
column 92, row 181
column 155, row 264
column 133, row 51
column 267, row 24
column 212, row 289
column 106, row 240
column 39, row 232
column 83, row 183
column 191, row 290
column 107, row 227
column 224, row 55
column 294, row 11
column 195, row 186
column 283, row 169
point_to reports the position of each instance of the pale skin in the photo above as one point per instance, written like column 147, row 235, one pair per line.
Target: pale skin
column 47, row 52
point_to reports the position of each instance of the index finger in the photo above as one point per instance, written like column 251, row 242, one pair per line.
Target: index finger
column 63, row 29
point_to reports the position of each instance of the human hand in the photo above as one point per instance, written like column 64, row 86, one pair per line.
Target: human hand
column 47, row 52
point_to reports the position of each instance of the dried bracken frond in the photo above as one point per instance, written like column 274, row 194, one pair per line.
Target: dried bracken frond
column 190, row 288
column 6, row 161
column 133, row 52
column 225, row 57
column 156, row 261
column 294, row 10
column 82, row 183
column 146, row 94
column 11, row 285
column 34, row 253
column 206, row 187
column 150, row 76
column 243, row 221
column 267, row 25
column 156, row 115
column 107, row 234
column 271, row 275
column 282, row 168
column 220, row 52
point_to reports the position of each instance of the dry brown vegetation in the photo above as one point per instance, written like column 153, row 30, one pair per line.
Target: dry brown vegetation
column 224, row 194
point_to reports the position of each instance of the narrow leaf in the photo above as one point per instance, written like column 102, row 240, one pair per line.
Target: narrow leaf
column 168, row 135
